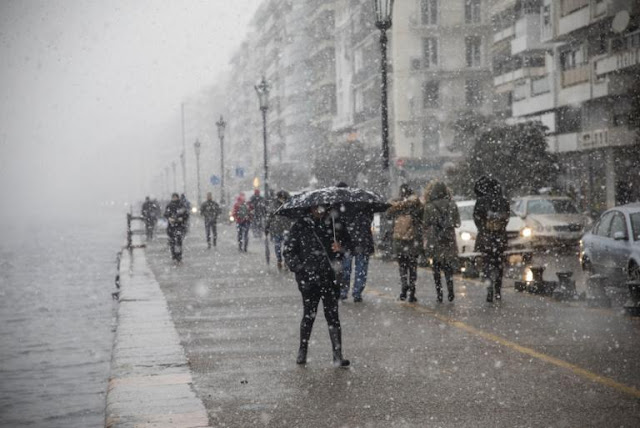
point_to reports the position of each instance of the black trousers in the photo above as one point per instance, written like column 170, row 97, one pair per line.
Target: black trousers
column 408, row 266
column 493, row 268
column 210, row 229
column 439, row 267
column 312, row 292
column 175, row 243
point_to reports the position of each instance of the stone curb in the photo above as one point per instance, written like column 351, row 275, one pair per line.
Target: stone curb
column 150, row 384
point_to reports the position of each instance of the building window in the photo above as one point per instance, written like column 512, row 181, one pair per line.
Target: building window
column 568, row 120
column 431, row 137
column 431, row 94
column 430, row 51
column 473, row 93
column 429, row 12
column 472, row 11
column 472, row 49
column 571, row 59
column 546, row 15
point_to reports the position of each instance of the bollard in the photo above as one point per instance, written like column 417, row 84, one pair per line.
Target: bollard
column 596, row 294
column 632, row 306
column 539, row 285
column 566, row 287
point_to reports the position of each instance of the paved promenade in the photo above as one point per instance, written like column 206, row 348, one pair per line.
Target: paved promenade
column 527, row 361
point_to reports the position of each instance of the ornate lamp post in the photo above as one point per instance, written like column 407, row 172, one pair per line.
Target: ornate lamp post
column 196, row 147
column 262, row 89
column 384, row 10
column 221, row 124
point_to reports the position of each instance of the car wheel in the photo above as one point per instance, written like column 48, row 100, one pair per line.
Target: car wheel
column 587, row 267
column 634, row 272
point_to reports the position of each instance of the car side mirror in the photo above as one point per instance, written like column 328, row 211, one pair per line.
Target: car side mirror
column 619, row 236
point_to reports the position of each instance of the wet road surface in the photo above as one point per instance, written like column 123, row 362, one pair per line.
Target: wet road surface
column 527, row 361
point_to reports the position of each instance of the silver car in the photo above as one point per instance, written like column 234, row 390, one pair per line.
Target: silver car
column 612, row 247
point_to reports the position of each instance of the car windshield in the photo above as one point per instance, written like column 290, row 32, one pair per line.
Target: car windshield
column 551, row 206
column 466, row 213
column 635, row 225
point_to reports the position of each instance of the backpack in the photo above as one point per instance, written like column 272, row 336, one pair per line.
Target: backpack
column 243, row 212
column 403, row 228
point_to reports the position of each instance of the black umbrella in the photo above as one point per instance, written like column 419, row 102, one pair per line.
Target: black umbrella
column 358, row 199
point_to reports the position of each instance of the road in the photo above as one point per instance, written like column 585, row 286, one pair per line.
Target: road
column 527, row 361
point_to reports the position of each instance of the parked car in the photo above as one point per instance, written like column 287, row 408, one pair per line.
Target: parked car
column 550, row 221
column 612, row 247
column 517, row 231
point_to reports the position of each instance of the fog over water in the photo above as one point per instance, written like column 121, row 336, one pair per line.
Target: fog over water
column 91, row 94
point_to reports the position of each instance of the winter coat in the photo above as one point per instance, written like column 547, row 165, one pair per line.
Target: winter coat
column 407, row 225
column 235, row 212
column 210, row 210
column 149, row 210
column 177, row 217
column 491, row 215
column 307, row 250
column 358, row 224
column 277, row 225
column 259, row 206
column 441, row 217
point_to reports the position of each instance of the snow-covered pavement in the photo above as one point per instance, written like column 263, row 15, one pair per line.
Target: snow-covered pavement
column 528, row 361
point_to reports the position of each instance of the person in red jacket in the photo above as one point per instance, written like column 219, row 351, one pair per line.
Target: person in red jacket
column 243, row 214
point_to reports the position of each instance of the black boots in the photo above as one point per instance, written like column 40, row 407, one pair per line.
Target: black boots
column 439, row 293
column 450, row 295
column 336, row 343
column 403, row 293
column 490, row 294
column 412, row 295
column 302, row 355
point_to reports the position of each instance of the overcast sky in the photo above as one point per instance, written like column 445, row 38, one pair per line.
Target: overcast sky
column 89, row 87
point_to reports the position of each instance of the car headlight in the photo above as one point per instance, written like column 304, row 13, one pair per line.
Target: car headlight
column 526, row 232
column 465, row 236
column 194, row 210
column 231, row 219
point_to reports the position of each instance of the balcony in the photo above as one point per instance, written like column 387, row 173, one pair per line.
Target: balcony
column 503, row 34
column 627, row 55
column 574, row 14
column 575, row 76
column 606, row 137
column 527, row 31
column 520, row 73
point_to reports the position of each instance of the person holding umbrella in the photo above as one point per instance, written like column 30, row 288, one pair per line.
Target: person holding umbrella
column 312, row 250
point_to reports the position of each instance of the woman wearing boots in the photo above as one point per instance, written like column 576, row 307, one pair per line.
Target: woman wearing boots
column 491, row 215
column 441, row 217
column 406, row 213
column 313, row 250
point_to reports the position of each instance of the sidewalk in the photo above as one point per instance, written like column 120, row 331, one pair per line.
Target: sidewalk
column 150, row 382
column 528, row 361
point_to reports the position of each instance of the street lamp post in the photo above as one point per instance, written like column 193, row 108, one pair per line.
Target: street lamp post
column 196, row 147
column 384, row 9
column 175, row 180
column 221, row 124
column 262, row 89
column 183, row 162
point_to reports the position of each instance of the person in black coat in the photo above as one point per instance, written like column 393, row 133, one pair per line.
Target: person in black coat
column 491, row 215
column 313, row 251
column 177, row 217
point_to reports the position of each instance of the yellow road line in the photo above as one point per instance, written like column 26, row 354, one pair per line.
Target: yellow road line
column 594, row 377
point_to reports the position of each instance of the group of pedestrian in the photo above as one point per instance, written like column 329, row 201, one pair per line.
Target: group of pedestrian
column 430, row 227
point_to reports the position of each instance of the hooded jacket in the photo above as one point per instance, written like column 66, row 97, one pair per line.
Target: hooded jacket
column 491, row 215
column 441, row 217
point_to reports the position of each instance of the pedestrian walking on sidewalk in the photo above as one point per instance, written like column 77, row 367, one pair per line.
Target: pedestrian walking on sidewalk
column 149, row 213
column 177, row 217
column 278, row 226
column 357, row 221
column 258, row 203
column 243, row 214
column 210, row 210
column 441, row 217
column 312, row 250
column 406, row 212
column 491, row 215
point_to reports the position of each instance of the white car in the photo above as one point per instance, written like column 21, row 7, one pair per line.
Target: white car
column 612, row 247
column 517, row 232
column 550, row 220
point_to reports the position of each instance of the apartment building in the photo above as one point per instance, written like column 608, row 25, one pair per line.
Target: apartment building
column 572, row 64
column 441, row 67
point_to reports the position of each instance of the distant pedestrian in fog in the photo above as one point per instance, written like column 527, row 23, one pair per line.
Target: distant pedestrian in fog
column 441, row 217
column 258, row 203
column 406, row 212
column 177, row 217
column 243, row 214
column 210, row 210
column 149, row 213
column 278, row 226
column 491, row 215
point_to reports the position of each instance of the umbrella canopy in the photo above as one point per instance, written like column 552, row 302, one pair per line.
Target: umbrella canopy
column 299, row 205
